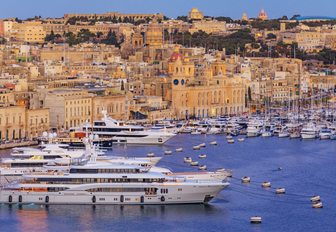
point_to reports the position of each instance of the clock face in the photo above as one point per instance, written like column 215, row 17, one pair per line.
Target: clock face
column 176, row 82
column 182, row 82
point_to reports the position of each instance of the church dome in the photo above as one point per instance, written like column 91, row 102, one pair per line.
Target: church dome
column 175, row 56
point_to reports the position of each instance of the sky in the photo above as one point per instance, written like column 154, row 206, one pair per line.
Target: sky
column 171, row 8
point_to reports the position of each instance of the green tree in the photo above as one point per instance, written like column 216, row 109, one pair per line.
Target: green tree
column 183, row 18
column 2, row 40
column 249, row 94
column 111, row 38
column 224, row 19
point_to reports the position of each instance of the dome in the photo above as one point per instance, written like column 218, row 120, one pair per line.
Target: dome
column 194, row 10
column 262, row 15
column 175, row 56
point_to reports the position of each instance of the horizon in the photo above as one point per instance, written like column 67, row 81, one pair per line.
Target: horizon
column 274, row 9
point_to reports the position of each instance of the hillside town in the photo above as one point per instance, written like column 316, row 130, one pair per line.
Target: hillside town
column 59, row 73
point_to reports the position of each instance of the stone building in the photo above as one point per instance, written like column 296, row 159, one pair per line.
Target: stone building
column 195, row 14
column 12, row 122
column 30, row 32
column 114, row 105
column 68, row 108
column 203, row 90
column 154, row 35
column 37, row 122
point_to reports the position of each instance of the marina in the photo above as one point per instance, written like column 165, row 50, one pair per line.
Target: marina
column 286, row 163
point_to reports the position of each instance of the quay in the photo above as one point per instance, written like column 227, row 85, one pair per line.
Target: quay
column 10, row 145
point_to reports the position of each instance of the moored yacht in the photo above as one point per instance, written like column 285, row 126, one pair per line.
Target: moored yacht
column 98, row 182
column 325, row 133
column 123, row 133
column 27, row 160
column 254, row 129
column 309, row 131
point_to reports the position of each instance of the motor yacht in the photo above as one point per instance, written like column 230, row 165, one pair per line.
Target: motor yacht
column 325, row 133
column 121, row 132
column 309, row 131
column 254, row 129
column 27, row 160
column 95, row 182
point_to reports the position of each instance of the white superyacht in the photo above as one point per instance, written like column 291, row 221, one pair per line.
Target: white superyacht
column 124, row 133
column 27, row 160
column 96, row 182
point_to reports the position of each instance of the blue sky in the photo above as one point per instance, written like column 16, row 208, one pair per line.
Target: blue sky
column 172, row 8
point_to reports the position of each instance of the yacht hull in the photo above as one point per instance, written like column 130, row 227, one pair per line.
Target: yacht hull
column 308, row 136
column 155, row 140
column 192, row 194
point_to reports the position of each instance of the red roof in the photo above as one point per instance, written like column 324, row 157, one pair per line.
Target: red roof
column 9, row 86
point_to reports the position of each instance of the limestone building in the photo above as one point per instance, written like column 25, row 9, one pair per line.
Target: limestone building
column 12, row 122
column 30, row 32
column 154, row 35
column 195, row 14
column 202, row 89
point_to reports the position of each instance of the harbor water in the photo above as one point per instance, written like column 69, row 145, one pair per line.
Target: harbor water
column 303, row 168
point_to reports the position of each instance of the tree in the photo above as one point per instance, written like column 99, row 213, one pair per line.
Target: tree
column 183, row 18
column 284, row 18
column 111, row 38
column 122, row 87
column 71, row 38
column 84, row 35
column 249, row 94
column 2, row 40
column 99, row 34
column 224, row 19
column 52, row 37
column 271, row 36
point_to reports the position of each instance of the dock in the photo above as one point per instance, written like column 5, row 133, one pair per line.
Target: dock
column 5, row 146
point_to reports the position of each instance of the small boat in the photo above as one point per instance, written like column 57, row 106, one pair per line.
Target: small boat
column 266, row 184
column 187, row 159
column 230, row 141
column 241, row 140
column 228, row 172
column 150, row 154
column 220, row 170
column 179, row 149
column 325, row 133
column 333, row 137
column 229, row 137
column 168, row 152
column 256, row 220
column 202, row 145
column 266, row 134
column 202, row 167
column 295, row 135
column 202, row 156
column 315, row 199
column 213, row 143
column 283, row 134
column 246, row 179
column 317, row 205
column 280, row 191
column 194, row 163
column 196, row 147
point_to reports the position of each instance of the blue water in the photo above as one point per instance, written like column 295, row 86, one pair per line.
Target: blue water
column 308, row 168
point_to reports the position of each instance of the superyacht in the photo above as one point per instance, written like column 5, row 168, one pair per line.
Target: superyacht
column 26, row 160
column 95, row 182
column 123, row 133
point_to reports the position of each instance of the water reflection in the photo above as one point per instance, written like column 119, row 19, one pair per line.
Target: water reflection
column 31, row 218
column 85, row 218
